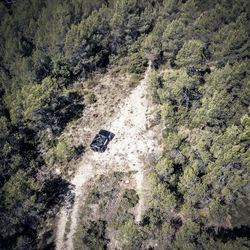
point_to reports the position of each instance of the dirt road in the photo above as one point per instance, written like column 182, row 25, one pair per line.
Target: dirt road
column 131, row 144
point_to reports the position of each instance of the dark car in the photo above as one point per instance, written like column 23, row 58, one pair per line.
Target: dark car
column 101, row 141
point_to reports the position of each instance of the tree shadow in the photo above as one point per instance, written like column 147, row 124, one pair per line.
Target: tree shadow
column 80, row 150
column 46, row 240
column 225, row 234
column 67, row 108
column 57, row 192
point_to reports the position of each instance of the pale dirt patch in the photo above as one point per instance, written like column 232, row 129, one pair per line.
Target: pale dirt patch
column 132, row 143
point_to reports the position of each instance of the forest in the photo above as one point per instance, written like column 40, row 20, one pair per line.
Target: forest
column 200, row 185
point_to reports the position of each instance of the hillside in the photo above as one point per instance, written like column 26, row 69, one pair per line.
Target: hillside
column 170, row 79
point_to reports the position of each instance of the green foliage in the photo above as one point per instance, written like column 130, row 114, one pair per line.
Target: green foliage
column 170, row 10
column 152, row 43
column 120, row 218
column 134, row 80
column 137, row 64
column 61, row 154
column 91, row 98
column 162, row 198
column 172, row 39
column 190, row 55
column 228, row 174
column 64, row 152
column 231, row 41
column 189, row 11
column 20, row 205
column 225, row 98
column 61, row 71
column 154, row 83
column 53, row 24
column 129, row 198
column 87, row 38
column 21, row 188
column 156, row 226
column 179, row 89
column 238, row 243
column 31, row 103
column 187, row 236
column 4, row 127
column 199, row 187
column 165, row 169
column 91, row 236
column 202, row 175
column 129, row 236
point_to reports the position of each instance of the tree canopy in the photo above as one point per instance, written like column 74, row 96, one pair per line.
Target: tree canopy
column 199, row 51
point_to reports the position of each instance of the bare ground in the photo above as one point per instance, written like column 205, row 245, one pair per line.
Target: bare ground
column 132, row 145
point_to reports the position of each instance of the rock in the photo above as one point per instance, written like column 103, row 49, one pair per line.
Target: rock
column 58, row 171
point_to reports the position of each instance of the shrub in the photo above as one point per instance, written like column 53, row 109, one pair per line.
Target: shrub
column 91, row 235
column 129, row 198
column 62, row 153
column 91, row 98
column 154, row 83
column 119, row 218
column 137, row 64
column 134, row 80
column 129, row 236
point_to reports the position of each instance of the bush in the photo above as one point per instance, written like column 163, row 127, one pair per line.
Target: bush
column 154, row 83
column 91, row 98
column 134, row 80
column 62, row 154
column 119, row 218
column 91, row 235
column 137, row 64
column 129, row 236
column 129, row 198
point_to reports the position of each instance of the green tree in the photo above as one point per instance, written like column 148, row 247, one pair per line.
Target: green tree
column 64, row 152
column 225, row 97
column 152, row 44
column 172, row 39
column 61, row 154
column 186, row 237
column 227, row 175
column 19, row 206
column 54, row 22
column 189, row 11
column 170, row 10
column 190, row 55
column 192, row 188
column 179, row 89
column 129, row 198
column 165, row 169
column 231, row 42
column 129, row 236
column 162, row 198
column 154, row 83
column 217, row 215
column 85, row 46
column 91, row 235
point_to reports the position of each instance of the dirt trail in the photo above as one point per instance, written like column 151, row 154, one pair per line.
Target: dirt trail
column 132, row 144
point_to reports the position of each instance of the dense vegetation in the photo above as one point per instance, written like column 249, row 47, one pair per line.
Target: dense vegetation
column 199, row 187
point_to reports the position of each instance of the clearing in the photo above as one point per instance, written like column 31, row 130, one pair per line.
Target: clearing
column 131, row 147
